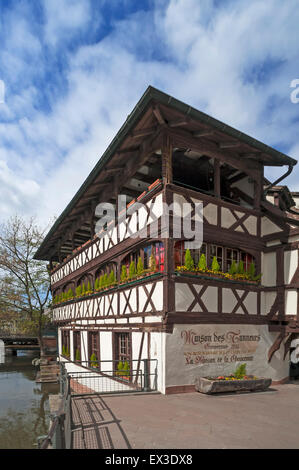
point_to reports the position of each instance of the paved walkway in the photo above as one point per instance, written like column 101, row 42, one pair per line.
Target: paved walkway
column 189, row 421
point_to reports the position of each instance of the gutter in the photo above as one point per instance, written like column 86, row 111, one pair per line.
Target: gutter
column 290, row 169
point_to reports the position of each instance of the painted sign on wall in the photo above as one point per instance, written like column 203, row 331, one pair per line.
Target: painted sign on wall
column 220, row 344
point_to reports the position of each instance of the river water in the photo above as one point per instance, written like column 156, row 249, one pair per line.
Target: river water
column 24, row 404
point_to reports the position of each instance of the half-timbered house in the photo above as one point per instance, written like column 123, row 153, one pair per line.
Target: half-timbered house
column 191, row 322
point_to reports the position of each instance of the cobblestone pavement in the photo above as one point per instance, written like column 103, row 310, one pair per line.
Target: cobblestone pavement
column 268, row 420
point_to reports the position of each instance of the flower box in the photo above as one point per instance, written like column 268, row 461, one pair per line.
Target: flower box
column 214, row 385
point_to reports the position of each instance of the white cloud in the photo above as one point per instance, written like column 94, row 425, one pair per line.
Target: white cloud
column 64, row 18
column 212, row 59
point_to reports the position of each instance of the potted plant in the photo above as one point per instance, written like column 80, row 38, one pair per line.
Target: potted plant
column 236, row 382
column 152, row 264
column 112, row 279
column 94, row 361
column 132, row 271
column 124, row 275
column 140, row 268
column 189, row 262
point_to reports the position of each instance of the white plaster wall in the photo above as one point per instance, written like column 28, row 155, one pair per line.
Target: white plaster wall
column 227, row 218
column 251, row 225
column 157, row 351
column 180, row 373
column 291, row 302
column 210, row 213
column 269, row 269
column 59, row 337
column 84, row 346
column 106, row 353
column 267, row 300
column 296, row 200
column 268, row 227
column 290, row 265
column 72, row 346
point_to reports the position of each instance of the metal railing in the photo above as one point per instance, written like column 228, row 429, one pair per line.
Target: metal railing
column 108, row 377
column 59, row 435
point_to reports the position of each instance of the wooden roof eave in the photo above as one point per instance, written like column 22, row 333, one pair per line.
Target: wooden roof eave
column 153, row 99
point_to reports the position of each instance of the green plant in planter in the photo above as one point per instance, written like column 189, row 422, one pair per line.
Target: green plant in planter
column 189, row 262
column 112, row 280
column 88, row 291
column 240, row 268
column 70, row 294
column 251, row 273
column 101, row 282
column 119, row 368
column 94, row 360
column 240, row 371
column 152, row 264
column 140, row 267
column 215, row 265
column 83, row 289
column 202, row 264
column 132, row 270
column 67, row 352
column 105, row 281
column 77, row 355
column 126, row 368
column 63, row 350
column 124, row 275
column 233, row 269
column 78, row 291
column 96, row 284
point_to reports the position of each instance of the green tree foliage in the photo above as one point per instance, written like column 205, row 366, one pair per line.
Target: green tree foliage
column 189, row 262
column 24, row 281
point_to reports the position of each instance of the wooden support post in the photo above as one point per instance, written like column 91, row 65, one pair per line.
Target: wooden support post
column 166, row 159
column 217, row 187
column 258, row 191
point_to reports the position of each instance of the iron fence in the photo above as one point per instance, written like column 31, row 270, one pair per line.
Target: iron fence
column 86, row 378
column 109, row 377
column 60, row 432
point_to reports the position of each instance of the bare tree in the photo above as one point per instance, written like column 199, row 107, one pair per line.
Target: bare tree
column 24, row 282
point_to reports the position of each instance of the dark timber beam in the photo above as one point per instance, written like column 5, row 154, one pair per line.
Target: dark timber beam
column 217, row 187
column 183, row 138
column 204, row 133
column 227, row 145
column 158, row 115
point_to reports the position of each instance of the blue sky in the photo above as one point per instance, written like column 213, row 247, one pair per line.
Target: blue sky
column 74, row 69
